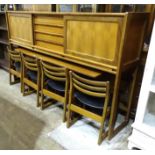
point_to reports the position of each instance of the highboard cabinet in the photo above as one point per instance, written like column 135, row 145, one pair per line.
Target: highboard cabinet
column 4, row 63
column 109, row 43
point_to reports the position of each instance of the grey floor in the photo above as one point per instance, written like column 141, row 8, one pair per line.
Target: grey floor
column 22, row 124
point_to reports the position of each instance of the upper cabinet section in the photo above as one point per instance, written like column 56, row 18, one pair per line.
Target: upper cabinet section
column 20, row 28
column 103, row 41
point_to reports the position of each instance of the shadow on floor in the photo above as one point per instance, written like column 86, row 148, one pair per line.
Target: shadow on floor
column 18, row 128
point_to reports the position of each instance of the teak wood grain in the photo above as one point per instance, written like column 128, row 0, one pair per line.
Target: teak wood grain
column 108, row 42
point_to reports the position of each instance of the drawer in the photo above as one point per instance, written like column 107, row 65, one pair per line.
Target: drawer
column 49, row 29
column 49, row 20
column 52, row 47
column 49, row 38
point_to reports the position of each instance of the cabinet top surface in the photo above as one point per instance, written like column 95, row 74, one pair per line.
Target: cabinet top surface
column 76, row 13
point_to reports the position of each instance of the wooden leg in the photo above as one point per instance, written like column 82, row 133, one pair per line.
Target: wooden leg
column 38, row 95
column 102, row 131
column 10, row 77
column 65, row 107
column 42, row 100
column 68, row 118
column 114, row 107
column 131, row 94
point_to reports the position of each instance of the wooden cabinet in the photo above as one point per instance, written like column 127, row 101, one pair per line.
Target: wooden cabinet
column 108, row 42
column 3, row 41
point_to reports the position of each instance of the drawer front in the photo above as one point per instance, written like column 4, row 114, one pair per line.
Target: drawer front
column 49, row 29
column 49, row 38
column 48, row 20
column 52, row 47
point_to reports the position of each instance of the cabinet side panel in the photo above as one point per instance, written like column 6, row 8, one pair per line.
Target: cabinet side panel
column 135, row 37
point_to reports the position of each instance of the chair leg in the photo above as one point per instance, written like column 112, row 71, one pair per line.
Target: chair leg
column 21, row 85
column 10, row 79
column 65, row 107
column 42, row 100
column 68, row 118
column 102, row 132
column 38, row 104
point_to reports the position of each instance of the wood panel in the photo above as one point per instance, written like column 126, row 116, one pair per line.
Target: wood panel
column 134, row 43
column 96, row 39
column 20, row 28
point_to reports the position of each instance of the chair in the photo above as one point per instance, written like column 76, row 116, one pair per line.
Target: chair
column 31, row 76
column 15, row 67
column 89, row 98
column 54, row 84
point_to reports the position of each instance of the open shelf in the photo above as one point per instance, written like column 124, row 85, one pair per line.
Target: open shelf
column 150, row 119
column 152, row 88
column 3, row 28
column 4, row 41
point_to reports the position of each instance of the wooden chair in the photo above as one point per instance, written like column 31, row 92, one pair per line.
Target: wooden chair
column 89, row 98
column 15, row 67
column 31, row 76
column 54, row 84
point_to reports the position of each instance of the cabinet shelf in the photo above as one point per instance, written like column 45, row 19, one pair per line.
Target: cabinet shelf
column 3, row 28
column 152, row 88
column 150, row 119
column 3, row 41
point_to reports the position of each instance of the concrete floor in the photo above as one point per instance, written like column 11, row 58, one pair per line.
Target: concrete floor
column 22, row 124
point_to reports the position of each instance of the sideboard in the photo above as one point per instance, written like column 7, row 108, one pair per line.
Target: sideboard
column 108, row 43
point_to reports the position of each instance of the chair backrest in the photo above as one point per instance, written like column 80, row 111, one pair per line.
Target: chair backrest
column 89, row 87
column 53, row 72
column 14, row 55
column 30, row 62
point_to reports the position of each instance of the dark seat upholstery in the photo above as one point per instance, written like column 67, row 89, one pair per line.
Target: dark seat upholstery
column 32, row 75
column 58, row 86
column 90, row 101
column 17, row 66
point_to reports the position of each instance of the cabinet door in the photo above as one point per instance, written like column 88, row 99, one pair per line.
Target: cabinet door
column 95, row 39
column 20, row 28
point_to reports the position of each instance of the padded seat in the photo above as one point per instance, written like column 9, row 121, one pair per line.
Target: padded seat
column 17, row 66
column 32, row 75
column 56, row 85
column 90, row 101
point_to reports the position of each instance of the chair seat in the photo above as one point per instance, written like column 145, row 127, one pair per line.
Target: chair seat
column 32, row 75
column 90, row 101
column 17, row 66
column 58, row 86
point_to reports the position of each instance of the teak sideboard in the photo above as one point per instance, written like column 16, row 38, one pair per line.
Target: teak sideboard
column 98, row 42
